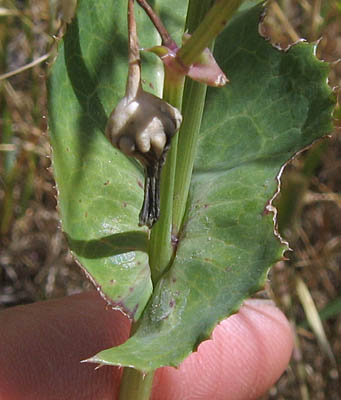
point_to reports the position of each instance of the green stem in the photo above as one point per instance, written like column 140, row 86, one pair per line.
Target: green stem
column 177, row 172
column 213, row 23
column 135, row 385
column 192, row 110
column 194, row 100
column 160, row 247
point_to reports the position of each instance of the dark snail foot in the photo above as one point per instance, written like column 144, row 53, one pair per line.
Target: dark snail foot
column 150, row 211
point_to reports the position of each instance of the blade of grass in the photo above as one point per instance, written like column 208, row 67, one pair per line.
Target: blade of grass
column 313, row 318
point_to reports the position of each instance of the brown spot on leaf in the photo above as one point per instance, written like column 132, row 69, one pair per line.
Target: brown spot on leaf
column 106, row 183
column 139, row 182
column 267, row 209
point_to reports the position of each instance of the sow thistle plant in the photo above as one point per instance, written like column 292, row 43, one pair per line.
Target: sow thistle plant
column 210, row 161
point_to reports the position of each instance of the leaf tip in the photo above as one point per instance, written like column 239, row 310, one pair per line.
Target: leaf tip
column 92, row 360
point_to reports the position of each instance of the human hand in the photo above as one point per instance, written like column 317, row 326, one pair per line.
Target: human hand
column 42, row 344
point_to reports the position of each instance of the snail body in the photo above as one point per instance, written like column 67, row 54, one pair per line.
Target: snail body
column 142, row 126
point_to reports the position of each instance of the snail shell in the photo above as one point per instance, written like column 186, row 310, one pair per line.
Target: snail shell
column 143, row 126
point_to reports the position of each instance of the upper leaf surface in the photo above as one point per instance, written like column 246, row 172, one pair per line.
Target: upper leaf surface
column 277, row 103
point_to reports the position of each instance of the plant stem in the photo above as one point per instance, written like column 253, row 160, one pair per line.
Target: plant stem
column 135, row 385
column 165, row 36
column 193, row 106
column 176, row 174
column 194, row 99
column 160, row 247
column 134, row 72
column 213, row 23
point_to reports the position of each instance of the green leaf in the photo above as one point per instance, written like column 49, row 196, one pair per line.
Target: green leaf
column 100, row 191
column 277, row 103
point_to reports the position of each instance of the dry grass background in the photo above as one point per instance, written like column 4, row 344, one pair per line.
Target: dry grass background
column 35, row 263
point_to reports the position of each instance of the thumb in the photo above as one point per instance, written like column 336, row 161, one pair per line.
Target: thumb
column 247, row 354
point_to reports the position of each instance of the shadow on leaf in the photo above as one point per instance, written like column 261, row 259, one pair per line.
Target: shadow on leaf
column 110, row 245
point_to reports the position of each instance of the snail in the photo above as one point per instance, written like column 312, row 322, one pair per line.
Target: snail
column 142, row 126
